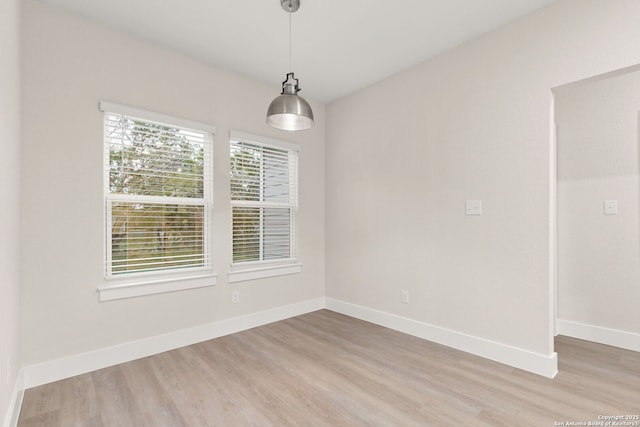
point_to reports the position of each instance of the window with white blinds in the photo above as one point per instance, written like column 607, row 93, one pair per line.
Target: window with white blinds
column 264, row 199
column 158, row 194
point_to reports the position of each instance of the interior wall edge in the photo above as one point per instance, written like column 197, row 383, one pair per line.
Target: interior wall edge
column 59, row 369
column 599, row 334
column 13, row 411
column 542, row 364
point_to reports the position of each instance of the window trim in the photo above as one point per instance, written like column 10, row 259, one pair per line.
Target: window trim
column 147, row 283
column 247, row 272
column 112, row 107
column 250, row 270
column 157, row 285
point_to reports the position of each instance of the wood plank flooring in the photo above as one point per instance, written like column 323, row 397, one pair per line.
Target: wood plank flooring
column 326, row 369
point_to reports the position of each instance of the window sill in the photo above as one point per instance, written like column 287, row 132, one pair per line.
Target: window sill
column 243, row 274
column 149, row 287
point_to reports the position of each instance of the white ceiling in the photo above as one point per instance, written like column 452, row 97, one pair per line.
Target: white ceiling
column 339, row 46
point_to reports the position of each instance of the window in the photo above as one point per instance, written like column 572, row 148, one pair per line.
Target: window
column 264, row 202
column 158, row 200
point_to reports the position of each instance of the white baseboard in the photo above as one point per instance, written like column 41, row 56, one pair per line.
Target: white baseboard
column 599, row 334
column 541, row 364
column 13, row 411
column 43, row 373
column 59, row 369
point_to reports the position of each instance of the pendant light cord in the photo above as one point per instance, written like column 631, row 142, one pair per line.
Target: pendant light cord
column 290, row 70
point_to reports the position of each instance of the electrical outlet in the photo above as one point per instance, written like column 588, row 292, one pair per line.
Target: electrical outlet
column 235, row 297
column 404, row 296
column 611, row 207
column 473, row 207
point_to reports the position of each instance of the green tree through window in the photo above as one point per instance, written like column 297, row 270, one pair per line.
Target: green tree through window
column 156, row 196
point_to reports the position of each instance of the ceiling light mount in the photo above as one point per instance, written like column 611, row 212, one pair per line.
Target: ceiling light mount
column 290, row 111
column 290, row 5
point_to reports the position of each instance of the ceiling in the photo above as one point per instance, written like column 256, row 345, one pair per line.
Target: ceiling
column 339, row 46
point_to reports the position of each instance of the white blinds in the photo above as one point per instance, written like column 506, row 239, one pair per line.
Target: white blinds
column 264, row 201
column 157, row 195
column 151, row 159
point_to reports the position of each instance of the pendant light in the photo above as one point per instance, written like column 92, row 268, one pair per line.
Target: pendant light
column 290, row 111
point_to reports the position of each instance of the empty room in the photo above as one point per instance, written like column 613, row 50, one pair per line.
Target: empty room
column 320, row 213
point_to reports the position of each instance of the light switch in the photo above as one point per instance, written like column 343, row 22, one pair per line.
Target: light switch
column 473, row 207
column 611, row 207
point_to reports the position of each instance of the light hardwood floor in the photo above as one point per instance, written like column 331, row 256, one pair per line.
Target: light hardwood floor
column 324, row 368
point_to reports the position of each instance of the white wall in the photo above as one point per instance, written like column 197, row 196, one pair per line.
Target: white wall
column 70, row 64
column 599, row 255
column 10, row 197
column 402, row 157
column 474, row 123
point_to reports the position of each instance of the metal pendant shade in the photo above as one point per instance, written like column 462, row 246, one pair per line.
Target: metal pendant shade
column 289, row 111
